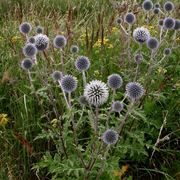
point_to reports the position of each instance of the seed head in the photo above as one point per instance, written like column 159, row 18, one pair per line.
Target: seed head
column 115, row 81
column 96, row 93
column 110, row 137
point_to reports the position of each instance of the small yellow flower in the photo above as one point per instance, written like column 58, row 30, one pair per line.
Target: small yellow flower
column 96, row 73
column 54, row 122
column 115, row 29
column 14, row 39
column 3, row 119
column 110, row 46
column 161, row 70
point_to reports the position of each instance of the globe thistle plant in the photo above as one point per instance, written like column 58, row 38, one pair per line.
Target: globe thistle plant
column 138, row 58
column 167, row 51
column 59, row 42
column 152, row 43
column 156, row 10
column 25, row 28
column 82, row 100
column 141, row 34
column 41, row 42
column 68, row 83
column 26, row 64
column 177, row 25
column 117, row 106
column 115, row 81
column 168, row 23
column 157, row 5
column 130, row 18
column 31, row 40
column 57, row 75
column 147, row 5
column 118, row 20
column 110, row 137
column 134, row 91
column 160, row 22
column 39, row 30
column 168, row 6
column 96, row 93
column 82, row 63
column 74, row 49
column 29, row 50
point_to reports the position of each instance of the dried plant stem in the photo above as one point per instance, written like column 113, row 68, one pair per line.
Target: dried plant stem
column 62, row 60
column 65, row 98
column 129, row 42
column 123, row 29
column 129, row 110
column 69, row 98
column 160, row 36
column 113, row 95
column 158, row 139
column 84, row 78
column 136, row 73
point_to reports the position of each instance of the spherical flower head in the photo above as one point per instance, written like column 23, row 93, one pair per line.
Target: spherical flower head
column 96, row 93
column 168, row 23
column 156, row 10
column 74, row 49
column 57, row 75
column 82, row 100
column 110, row 137
column 177, row 25
column 41, row 42
column 31, row 40
column 118, row 20
column 167, row 51
column 147, row 5
column 25, row 28
column 130, row 18
column 115, row 81
column 152, row 43
column 160, row 22
column 134, row 91
column 117, row 106
column 141, row 34
column 26, row 64
column 39, row 30
column 29, row 50
column 68, row 83
column 157, row 5
column 138, row 58
column 59, row 42
column 82, row 63
column 168, row 6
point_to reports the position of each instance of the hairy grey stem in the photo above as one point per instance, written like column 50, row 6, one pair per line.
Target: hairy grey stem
column 84, row 78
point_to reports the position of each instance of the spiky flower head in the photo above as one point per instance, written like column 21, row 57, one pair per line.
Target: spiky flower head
column 25, row 27
column 138, row 58
column 26, row 64
column 31, row 40
column 41, row 42
column 147, row 5
column 117, row 106
column 115, row 81
column 160, row 22
column 96, row 93
column 152, row 43
column 168, row 23
column 82, row 100
column 82, row 63
column 57, row 75
column 118, row 20
column 130, row 18
column 68, row 83
column 59, row 42
column 156, row 10
column 167, row 51
column 110, row 137
column 74, row 49
column 157, row 5
column 39, row 30
column 141, row 34
column 29, row 50
column 177, row 24
column 168, row 6
column 134, row 91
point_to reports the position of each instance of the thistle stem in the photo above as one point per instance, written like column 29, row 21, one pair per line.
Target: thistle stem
column 84, row 78
column 96, row 120
column 62, row 61
column 136, row 74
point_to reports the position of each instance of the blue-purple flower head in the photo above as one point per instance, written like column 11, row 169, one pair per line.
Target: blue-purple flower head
column 130, row 18
column 152, row 43
column 74, row 49
column 168, row 23
column 177, row 25
column 83, row 101
column 96, row 93
column 110, row 137
column 168, row 6
column 26, row 64
column 57, row 75
column 59, row 42
column 141, row 34
column 157, row 5
column 161, row 22
column 147, row 5
column 82, row 63
column 25, row 28
column 41, row 42
column 134, row 91
column 29, row 50
column 167, row 51
column 118, row 20
column 156, row 10
column 114, row 81
column 39, row 30
column 31, row 40
column 117, row 106
column 68, row 83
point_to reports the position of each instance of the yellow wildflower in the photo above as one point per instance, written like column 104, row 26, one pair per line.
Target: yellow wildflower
column 110, row 46
column 161, row 70
column 3, row 119
column 115, row 29
column 14, row 39
column 54, row 122
column 122, row 171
